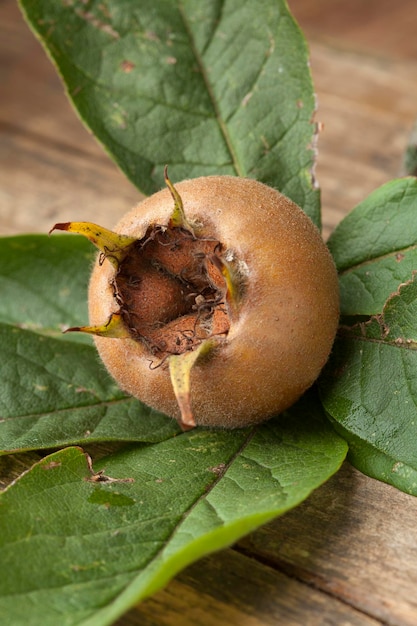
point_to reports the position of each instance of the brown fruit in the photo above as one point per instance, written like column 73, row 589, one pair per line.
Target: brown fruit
column 231, row 298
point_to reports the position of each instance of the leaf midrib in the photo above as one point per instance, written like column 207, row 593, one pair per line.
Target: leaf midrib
column 220, row 121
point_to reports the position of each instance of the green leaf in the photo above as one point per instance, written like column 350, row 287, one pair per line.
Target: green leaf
column 80, row 548
column 369, row 387
column 370, row 390
column 410, row 156
column 43, row 283
column 55, row 393
column 220, row 87
column 375, row 247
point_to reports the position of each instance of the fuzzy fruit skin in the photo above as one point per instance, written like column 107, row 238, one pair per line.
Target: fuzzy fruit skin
column 286, row 322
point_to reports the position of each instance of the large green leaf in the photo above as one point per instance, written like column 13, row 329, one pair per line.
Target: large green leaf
column 375, row 247
column 370, row 385
column 219, row 87
column 81, row 548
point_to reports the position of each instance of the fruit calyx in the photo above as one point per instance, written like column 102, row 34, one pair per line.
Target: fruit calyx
column 174, row 291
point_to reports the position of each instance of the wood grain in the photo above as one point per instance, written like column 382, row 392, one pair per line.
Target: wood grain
column 361, row 546
column 237, row 590
column 51, row 168
column 378, row 28
column 348, row 555
column 368, row 109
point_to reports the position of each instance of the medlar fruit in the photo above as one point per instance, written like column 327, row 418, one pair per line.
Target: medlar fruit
column 215, row 301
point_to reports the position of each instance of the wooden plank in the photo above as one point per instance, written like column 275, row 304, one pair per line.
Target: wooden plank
column 42, row 183
column 377, row 27
column 51, row 168
column 354, row 538
column 368, row 109
column 233, row 589
column 32, row 97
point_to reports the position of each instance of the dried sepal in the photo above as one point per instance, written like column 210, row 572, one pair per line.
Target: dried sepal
column 114, row 327
column 178, row 218
column 113, row 246
column 180, row 366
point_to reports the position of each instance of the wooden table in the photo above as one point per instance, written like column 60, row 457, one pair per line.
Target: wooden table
column 348, row 555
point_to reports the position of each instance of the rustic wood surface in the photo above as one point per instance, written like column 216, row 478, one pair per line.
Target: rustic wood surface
column 348, row 555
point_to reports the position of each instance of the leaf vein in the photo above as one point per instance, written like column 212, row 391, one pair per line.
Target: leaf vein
column 376, row 259
column 63, row 410
column 221, row 122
